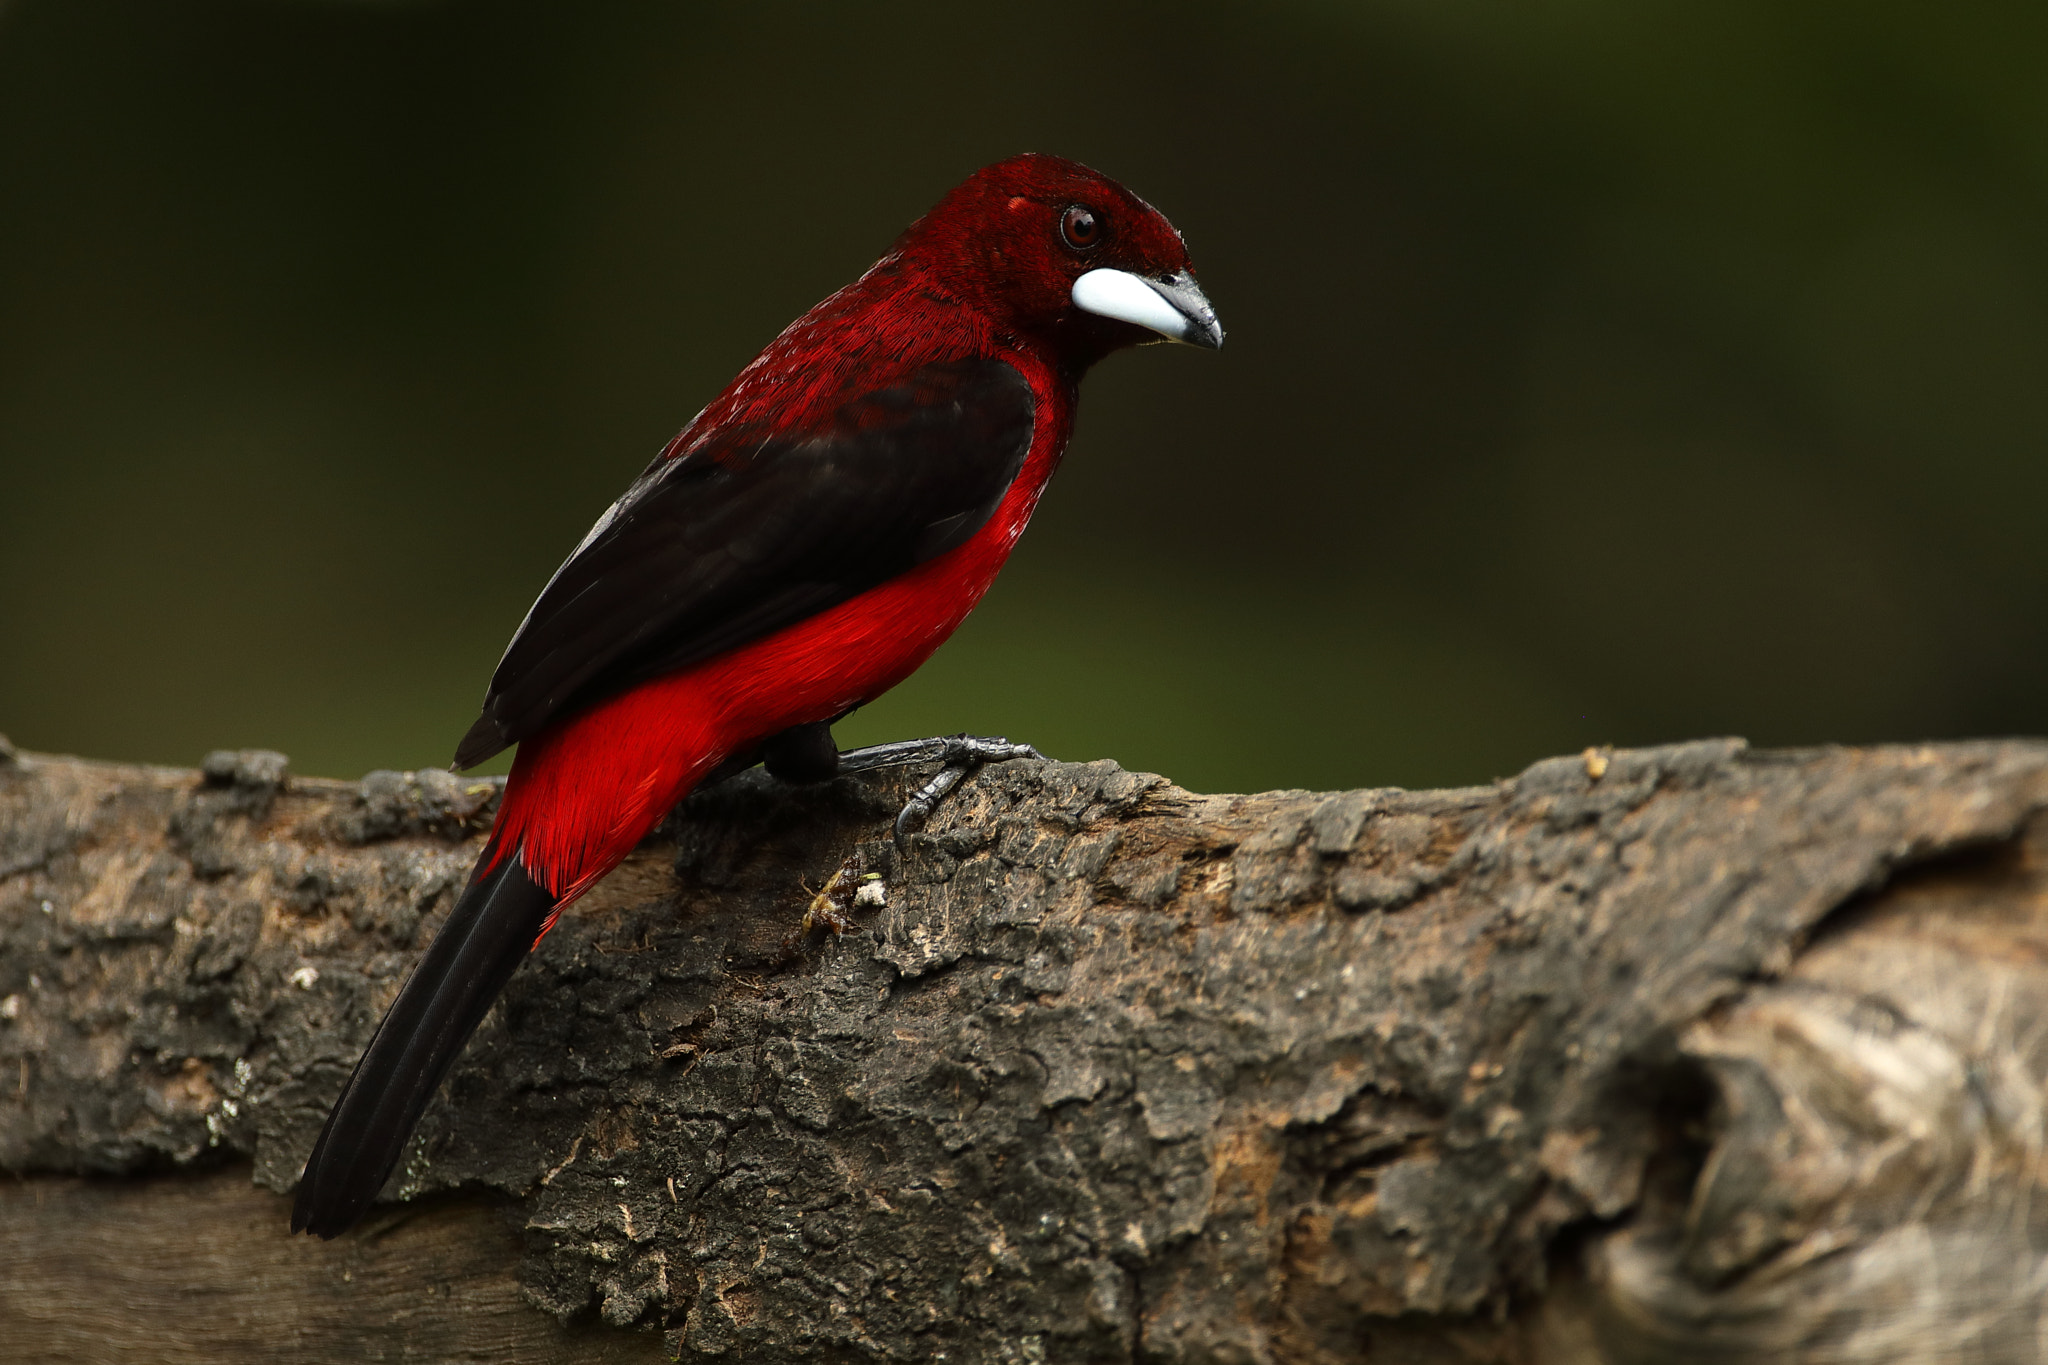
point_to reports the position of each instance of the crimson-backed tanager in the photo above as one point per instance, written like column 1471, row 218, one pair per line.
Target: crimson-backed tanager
column 805, row 543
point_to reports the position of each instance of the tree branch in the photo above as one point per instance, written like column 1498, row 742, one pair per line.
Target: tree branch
column 1679, row 1054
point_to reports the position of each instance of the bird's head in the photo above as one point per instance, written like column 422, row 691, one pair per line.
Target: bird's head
column 1064, row 255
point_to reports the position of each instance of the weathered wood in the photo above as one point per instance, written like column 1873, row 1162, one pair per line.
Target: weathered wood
column 1680, row 1054
column 190, row 1270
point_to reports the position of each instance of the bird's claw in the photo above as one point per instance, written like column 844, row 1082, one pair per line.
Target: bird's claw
column 960, row 755
column 976, row 750
column 918, row 808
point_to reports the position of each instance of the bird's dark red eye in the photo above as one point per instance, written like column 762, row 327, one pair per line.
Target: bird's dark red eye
column 1080, row 227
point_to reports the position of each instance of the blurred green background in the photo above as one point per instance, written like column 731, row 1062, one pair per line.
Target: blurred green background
column 1598, row 372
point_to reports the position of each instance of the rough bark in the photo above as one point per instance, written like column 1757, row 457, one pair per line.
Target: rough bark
column 1686, row 1054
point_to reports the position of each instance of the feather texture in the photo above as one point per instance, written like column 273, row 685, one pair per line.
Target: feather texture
column 491, row 929
column 750, row 532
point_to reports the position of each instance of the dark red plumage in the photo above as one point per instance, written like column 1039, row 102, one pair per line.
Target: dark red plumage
column 800, row 548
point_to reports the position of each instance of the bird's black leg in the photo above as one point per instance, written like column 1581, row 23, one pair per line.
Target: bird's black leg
column 803, row 753
column 806, row 753
column 961, row 755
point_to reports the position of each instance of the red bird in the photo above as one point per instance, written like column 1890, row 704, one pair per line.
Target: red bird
column 805, row 543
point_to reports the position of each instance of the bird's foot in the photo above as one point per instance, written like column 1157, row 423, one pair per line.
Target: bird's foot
column 961, row 755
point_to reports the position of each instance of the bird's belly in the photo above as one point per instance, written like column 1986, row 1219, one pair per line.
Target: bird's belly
column 839, row 659
column 854, row 652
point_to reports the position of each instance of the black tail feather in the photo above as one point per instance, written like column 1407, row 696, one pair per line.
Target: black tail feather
column 488, row 934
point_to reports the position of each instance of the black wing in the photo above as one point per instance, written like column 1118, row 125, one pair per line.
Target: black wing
column 749, row 533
